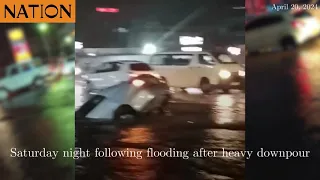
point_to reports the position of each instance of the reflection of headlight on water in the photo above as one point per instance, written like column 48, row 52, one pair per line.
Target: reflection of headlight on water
column 225, row 101
column 241, row 73
column 224, row 74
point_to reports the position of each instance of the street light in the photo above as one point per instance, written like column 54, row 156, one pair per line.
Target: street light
column 68, row 39
column 149, row 49
column 43, row 27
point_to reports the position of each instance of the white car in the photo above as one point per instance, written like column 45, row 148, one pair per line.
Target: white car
column 17, row 77
column 284, row 30
column 112, row 73
column 125, row 100
column 197, row 69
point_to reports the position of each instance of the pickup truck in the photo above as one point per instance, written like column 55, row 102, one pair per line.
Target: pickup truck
column 18, row 77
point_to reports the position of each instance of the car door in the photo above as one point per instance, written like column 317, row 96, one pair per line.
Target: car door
column 163, row 64
column 181, row 70
column 207, row 68
column 106, row 75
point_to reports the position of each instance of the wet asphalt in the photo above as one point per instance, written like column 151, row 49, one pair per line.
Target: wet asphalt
column 194, row 121
column 37, row 119
column 282, row 111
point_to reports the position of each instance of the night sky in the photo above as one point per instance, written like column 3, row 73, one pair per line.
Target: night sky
column 92, row 26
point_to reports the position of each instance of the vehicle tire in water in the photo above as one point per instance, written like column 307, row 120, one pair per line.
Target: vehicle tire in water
column 125, row 114
column 205, row 85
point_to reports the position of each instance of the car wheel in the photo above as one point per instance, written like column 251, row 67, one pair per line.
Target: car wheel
column 164, row 108
column 125, row 114
column 288, row 44
column 205, row 85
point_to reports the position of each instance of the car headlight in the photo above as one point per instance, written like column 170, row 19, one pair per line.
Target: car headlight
column 241, row 73
column 224, row 74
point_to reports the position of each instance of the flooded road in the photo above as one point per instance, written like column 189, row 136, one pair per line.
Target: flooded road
column 211, row 122
column 282, row 110
column 37, row 119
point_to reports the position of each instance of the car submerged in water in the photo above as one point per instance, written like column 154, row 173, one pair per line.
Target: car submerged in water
column 126, row 100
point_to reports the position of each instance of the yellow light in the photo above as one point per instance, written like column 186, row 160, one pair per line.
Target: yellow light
column 16, row 34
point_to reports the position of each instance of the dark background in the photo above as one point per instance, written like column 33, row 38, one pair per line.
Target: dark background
column 216, row 20
column 33, row 37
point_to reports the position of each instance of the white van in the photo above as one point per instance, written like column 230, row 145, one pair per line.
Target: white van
column 198, row 69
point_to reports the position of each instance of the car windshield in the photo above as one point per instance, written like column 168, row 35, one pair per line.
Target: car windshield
column 107, row 67
column 171, row 59
column 140, row 67
column 224, row 59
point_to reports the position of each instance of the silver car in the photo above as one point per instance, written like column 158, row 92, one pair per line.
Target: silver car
column 126, row 100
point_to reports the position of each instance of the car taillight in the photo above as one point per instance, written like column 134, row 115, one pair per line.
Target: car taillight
column 156, row 75
column 297, row 24
column 138, row 82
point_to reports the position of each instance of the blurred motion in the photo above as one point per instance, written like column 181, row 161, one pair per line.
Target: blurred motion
column 160, row 75
column 200, row 70
column 37, row 98
column 283, row 99
column 281, row 30
column 125, row 100
column 112, row 73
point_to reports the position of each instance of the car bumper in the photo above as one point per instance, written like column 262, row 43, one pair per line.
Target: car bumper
column 234, row 82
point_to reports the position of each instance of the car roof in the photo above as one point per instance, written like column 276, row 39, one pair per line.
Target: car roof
column 125, row 62
column 180, row 52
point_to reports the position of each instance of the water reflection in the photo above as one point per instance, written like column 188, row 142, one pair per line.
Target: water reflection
column 228, row 108
column 225, row 101
column 137, row 135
